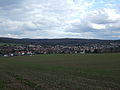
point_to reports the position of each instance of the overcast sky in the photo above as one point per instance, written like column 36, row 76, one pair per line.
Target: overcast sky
column 91, row 19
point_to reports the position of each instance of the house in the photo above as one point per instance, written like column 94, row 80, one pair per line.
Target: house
column 11, row 54
column 5, row 55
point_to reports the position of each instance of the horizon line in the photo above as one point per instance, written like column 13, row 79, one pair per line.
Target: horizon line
column 59, row 38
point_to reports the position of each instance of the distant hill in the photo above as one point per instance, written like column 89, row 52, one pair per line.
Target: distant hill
column 64, row 41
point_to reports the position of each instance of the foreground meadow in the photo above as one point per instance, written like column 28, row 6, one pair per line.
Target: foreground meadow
column 60, row 72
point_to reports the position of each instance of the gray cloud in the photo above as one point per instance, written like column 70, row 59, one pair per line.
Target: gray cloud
column 99, row 22
column 4, row 3
column 56, row 19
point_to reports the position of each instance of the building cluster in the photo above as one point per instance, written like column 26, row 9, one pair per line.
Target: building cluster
column 21, row 50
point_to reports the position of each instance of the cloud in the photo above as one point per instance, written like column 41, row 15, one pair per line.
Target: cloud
column 61, row 18
column 4, row 3
column 116, row 36
column 97, row 26
column 100, row 22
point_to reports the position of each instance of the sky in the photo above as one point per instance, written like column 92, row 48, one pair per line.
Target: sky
column 90, row 19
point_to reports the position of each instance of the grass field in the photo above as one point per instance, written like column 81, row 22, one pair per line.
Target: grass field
column 60, row 72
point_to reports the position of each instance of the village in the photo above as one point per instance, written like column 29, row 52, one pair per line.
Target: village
column 21, row 50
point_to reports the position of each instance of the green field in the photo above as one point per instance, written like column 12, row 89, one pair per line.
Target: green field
column 60, row 72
